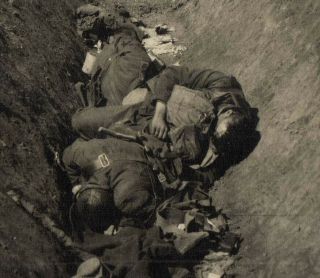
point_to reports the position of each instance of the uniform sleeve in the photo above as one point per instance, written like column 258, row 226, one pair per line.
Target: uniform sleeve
column 208, row 79
column 73, row 170
column 161, row 86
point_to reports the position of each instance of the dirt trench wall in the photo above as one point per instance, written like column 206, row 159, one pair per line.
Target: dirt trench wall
column 40, row 58
column 273, row 48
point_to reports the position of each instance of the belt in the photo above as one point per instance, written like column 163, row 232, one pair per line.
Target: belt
column 101, row 162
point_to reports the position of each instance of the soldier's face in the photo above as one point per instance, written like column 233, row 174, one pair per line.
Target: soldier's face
column 224, row 124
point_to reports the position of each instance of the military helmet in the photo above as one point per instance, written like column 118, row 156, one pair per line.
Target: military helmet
column 95, row 207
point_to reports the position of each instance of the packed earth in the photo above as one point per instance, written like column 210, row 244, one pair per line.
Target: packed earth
column 159, row 138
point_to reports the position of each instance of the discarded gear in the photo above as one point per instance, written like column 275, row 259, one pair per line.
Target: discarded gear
column 162, row 29
column 90, row 62
column 159, row 41
column 158, row 63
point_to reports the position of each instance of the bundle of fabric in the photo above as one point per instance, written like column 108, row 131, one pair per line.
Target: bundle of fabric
column 187, row 227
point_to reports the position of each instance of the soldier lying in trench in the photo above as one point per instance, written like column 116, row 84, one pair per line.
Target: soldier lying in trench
column 122, row 66
column 202, row 123
column 215, row 104
column 114, row 178
column 159, row 225
column 96, row 23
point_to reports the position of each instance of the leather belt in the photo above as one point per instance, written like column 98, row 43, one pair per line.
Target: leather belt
column 101, row 162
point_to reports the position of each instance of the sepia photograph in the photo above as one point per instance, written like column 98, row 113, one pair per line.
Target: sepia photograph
column 159, row 138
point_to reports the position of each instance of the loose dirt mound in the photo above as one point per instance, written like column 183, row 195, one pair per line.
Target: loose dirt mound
column 39, row 58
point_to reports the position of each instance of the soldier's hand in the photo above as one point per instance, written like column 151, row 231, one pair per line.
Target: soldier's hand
column 158, row 125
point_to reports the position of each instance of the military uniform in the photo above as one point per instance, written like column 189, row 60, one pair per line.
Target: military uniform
column 222, row 91
column 118, row 166
column 122, row 66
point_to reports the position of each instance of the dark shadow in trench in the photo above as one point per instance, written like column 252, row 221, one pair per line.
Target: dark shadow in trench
column 63, row 185
column 58, row 144
column 240, row 149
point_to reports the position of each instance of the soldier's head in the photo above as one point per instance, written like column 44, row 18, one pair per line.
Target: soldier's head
column 95, row 208
column 231, row 124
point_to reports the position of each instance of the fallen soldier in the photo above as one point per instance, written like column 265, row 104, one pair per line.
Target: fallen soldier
column 123, row 64
column 96, row 23
column 115, row 176
column 216, row 106
column 114, row 172
column 188, row 143
column 115, row 184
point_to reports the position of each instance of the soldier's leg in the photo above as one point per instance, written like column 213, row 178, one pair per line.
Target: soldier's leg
column 86, row 121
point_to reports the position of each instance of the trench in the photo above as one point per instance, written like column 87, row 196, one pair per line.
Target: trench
column 271, row 194
column 41, row 57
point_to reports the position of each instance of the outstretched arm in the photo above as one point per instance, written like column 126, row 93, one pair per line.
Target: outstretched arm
column 162, row 85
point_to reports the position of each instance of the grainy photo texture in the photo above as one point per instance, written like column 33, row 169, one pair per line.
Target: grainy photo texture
column 159, row 138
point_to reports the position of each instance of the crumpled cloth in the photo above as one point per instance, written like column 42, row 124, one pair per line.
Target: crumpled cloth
column 183, row 233
column 132, row 252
